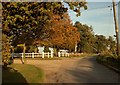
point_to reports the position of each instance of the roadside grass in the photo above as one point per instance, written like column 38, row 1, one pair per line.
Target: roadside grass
column 109, row 60
column 22, row 73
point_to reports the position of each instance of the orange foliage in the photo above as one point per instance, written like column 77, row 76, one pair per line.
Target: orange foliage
column 62, row 32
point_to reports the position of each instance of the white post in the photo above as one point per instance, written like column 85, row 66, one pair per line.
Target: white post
column 58, row 54
column 22, row 55
column 32, row 54
column 51, row 54
column 48, row 54
column 62, row 54
column 42, row 54
column 76, row 47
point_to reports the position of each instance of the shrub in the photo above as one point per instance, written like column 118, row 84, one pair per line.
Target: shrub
column 6, row 51
column 46, row 49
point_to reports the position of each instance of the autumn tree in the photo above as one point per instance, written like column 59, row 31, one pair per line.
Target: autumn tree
column 25, row 21
column 62, row 33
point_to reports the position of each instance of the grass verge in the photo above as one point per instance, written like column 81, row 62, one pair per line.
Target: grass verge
column 110, row 62
column 22, row 73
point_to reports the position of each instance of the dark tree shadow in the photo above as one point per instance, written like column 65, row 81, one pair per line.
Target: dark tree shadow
column 88, row 72
column 13, row 77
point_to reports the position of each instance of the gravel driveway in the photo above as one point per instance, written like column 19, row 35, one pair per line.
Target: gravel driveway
column 75, row 70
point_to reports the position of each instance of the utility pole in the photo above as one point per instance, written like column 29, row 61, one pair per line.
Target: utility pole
column 116, row 26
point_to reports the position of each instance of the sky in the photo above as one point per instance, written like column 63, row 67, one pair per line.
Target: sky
column 99, row 16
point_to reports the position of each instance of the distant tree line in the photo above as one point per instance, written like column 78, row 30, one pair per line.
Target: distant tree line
column 91, row 43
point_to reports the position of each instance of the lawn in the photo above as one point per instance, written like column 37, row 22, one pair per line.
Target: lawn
column 22, row 73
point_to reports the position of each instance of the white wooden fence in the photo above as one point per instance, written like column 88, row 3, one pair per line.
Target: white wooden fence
column 63, row 54
column 38, row 55
column 33, row 55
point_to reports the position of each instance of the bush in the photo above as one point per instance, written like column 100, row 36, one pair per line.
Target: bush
column 46, row 49
column 109, row 60
column 6, row 51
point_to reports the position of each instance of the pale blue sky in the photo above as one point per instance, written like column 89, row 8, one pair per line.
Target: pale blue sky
column 99, row 15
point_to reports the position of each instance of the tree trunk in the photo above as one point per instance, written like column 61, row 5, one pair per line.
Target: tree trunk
column 56, row 50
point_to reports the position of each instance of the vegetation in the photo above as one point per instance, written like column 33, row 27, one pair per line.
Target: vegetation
column 22, row 73
column 86, row 38
column 29, row 22
column 6, row 51
column 62, row 33
column 105, row 47
column 109, row 60
column 91, row 43
column 48, row 24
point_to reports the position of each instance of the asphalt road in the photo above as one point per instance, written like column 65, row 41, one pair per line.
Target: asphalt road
column 75, row 70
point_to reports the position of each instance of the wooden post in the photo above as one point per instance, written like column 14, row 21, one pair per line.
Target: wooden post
column 24, row 48
column 116, row 26
column 12, row 52
column 22, row 56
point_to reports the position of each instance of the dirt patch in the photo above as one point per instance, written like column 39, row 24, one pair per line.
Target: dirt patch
column 74, row 70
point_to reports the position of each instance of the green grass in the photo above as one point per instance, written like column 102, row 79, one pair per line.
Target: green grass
column 82, row 55
column 108, row 60
column 22, row 73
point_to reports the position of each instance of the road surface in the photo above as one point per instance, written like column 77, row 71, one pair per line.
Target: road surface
column 75, row 70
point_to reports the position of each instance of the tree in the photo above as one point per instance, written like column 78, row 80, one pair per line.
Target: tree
column 101, row 43
column 26, row 22
column 75, row 6
column 112, row 45
column 86, row 43
column 6, row 50
column 62, row 33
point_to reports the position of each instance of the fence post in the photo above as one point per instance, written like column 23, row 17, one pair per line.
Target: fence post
column 12, row 55
column 62, row 54
column 42, row 54
column 68, row 54
column 22, row 55
column 51, row 54
column 33, row 55
column 58, row 54
column 48, row 54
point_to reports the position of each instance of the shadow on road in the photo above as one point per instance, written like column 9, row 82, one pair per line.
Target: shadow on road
column 12, row 76
column 88, row 71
